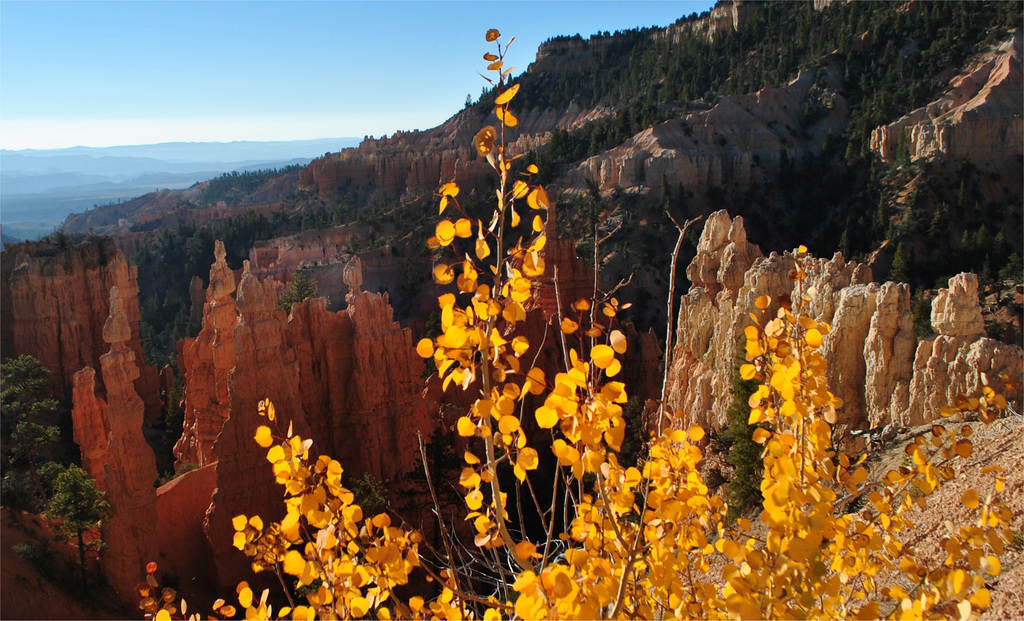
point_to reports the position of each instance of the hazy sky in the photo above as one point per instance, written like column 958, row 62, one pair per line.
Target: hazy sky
column 115, row 73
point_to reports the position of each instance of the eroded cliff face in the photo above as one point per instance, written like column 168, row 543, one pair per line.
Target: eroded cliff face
column 53, row 305
column 408, row 164
column 739, row 141
column 875, row 363
column 979, row 118
column 115, row 453
column 350, row 380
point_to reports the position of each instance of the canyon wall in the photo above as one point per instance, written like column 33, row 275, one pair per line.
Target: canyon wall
column 740, row 141
column 875, row 363
column 978, row 118
column 53, row 304
column 350, row 380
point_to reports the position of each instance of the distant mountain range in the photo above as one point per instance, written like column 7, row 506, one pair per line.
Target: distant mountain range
column 40, row 187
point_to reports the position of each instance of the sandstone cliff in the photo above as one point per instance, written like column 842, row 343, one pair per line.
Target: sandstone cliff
column 739, row 141
column 875, row 363
column 53, row 305
column 116, row 454
column 350, row 380
column 978, row 118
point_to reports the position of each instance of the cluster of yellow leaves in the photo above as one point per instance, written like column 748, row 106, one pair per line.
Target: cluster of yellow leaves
column 635, row 542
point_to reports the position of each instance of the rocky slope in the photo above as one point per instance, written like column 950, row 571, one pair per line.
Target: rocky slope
column 53, row 305
column 979, row 118
column 875, row 363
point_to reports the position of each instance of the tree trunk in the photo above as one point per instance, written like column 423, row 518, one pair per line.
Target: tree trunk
column 81, row 557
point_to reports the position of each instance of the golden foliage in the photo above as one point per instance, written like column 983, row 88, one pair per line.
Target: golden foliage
column 638, row 542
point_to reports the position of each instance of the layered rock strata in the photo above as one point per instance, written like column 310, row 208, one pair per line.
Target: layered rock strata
column 741, row 140
column 116, row 454
column 978, row 118
column 53, row 304
column 875, row 363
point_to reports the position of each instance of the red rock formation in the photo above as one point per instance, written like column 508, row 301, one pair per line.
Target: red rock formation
column 53, row 304
column 128, row 469
column 205, row 362
column 181, row 505
column 870, row 350
column 350, row 380
column 978, row 118
column 959, row 359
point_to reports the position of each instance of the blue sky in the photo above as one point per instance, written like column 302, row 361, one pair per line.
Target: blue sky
column 113, row 73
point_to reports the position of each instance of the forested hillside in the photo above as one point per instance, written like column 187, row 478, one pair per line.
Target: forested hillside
column 818, row 182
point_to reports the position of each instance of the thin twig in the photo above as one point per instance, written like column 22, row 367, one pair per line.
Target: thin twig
column 437, row 510
column 670, row 320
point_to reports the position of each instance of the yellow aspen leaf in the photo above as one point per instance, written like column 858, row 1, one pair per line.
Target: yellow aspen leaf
column 482, row 249
column 525, row 549
column 614, row 368
column 813, row 338
column 508, row 424
column 238, row 522
column 444, row 203
column 495, row 66
column 981, row 598
column 519, row 189
column 484, row 140
column 538, row 198
column 469, row 478
column 964, row 448
column 443, row 274
column 506, row 117
column 445, row 232
column 359, row 606
column 490, row 57
column 163, row 615
column 528, row 458
column 970, row 499
column 383, row 614
column 507, row 96
column 569, row 326
column 263, row 437
column 762, row 302
column 275, row 454
column 425, row 348
column 533, row 264
column 474, row 500
column 466, row 427
column 546, row 417
column 463, row 228
column 761, row 435
column 602, row 356
column 293, row 564
column 538, row 224
column 532, row 168
column 618, row 341
column 245, row 594
column 695, row 432
column 756, row 416
column 492, row 35
column 515, row 218
column 747, row 371
column 449, row 189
